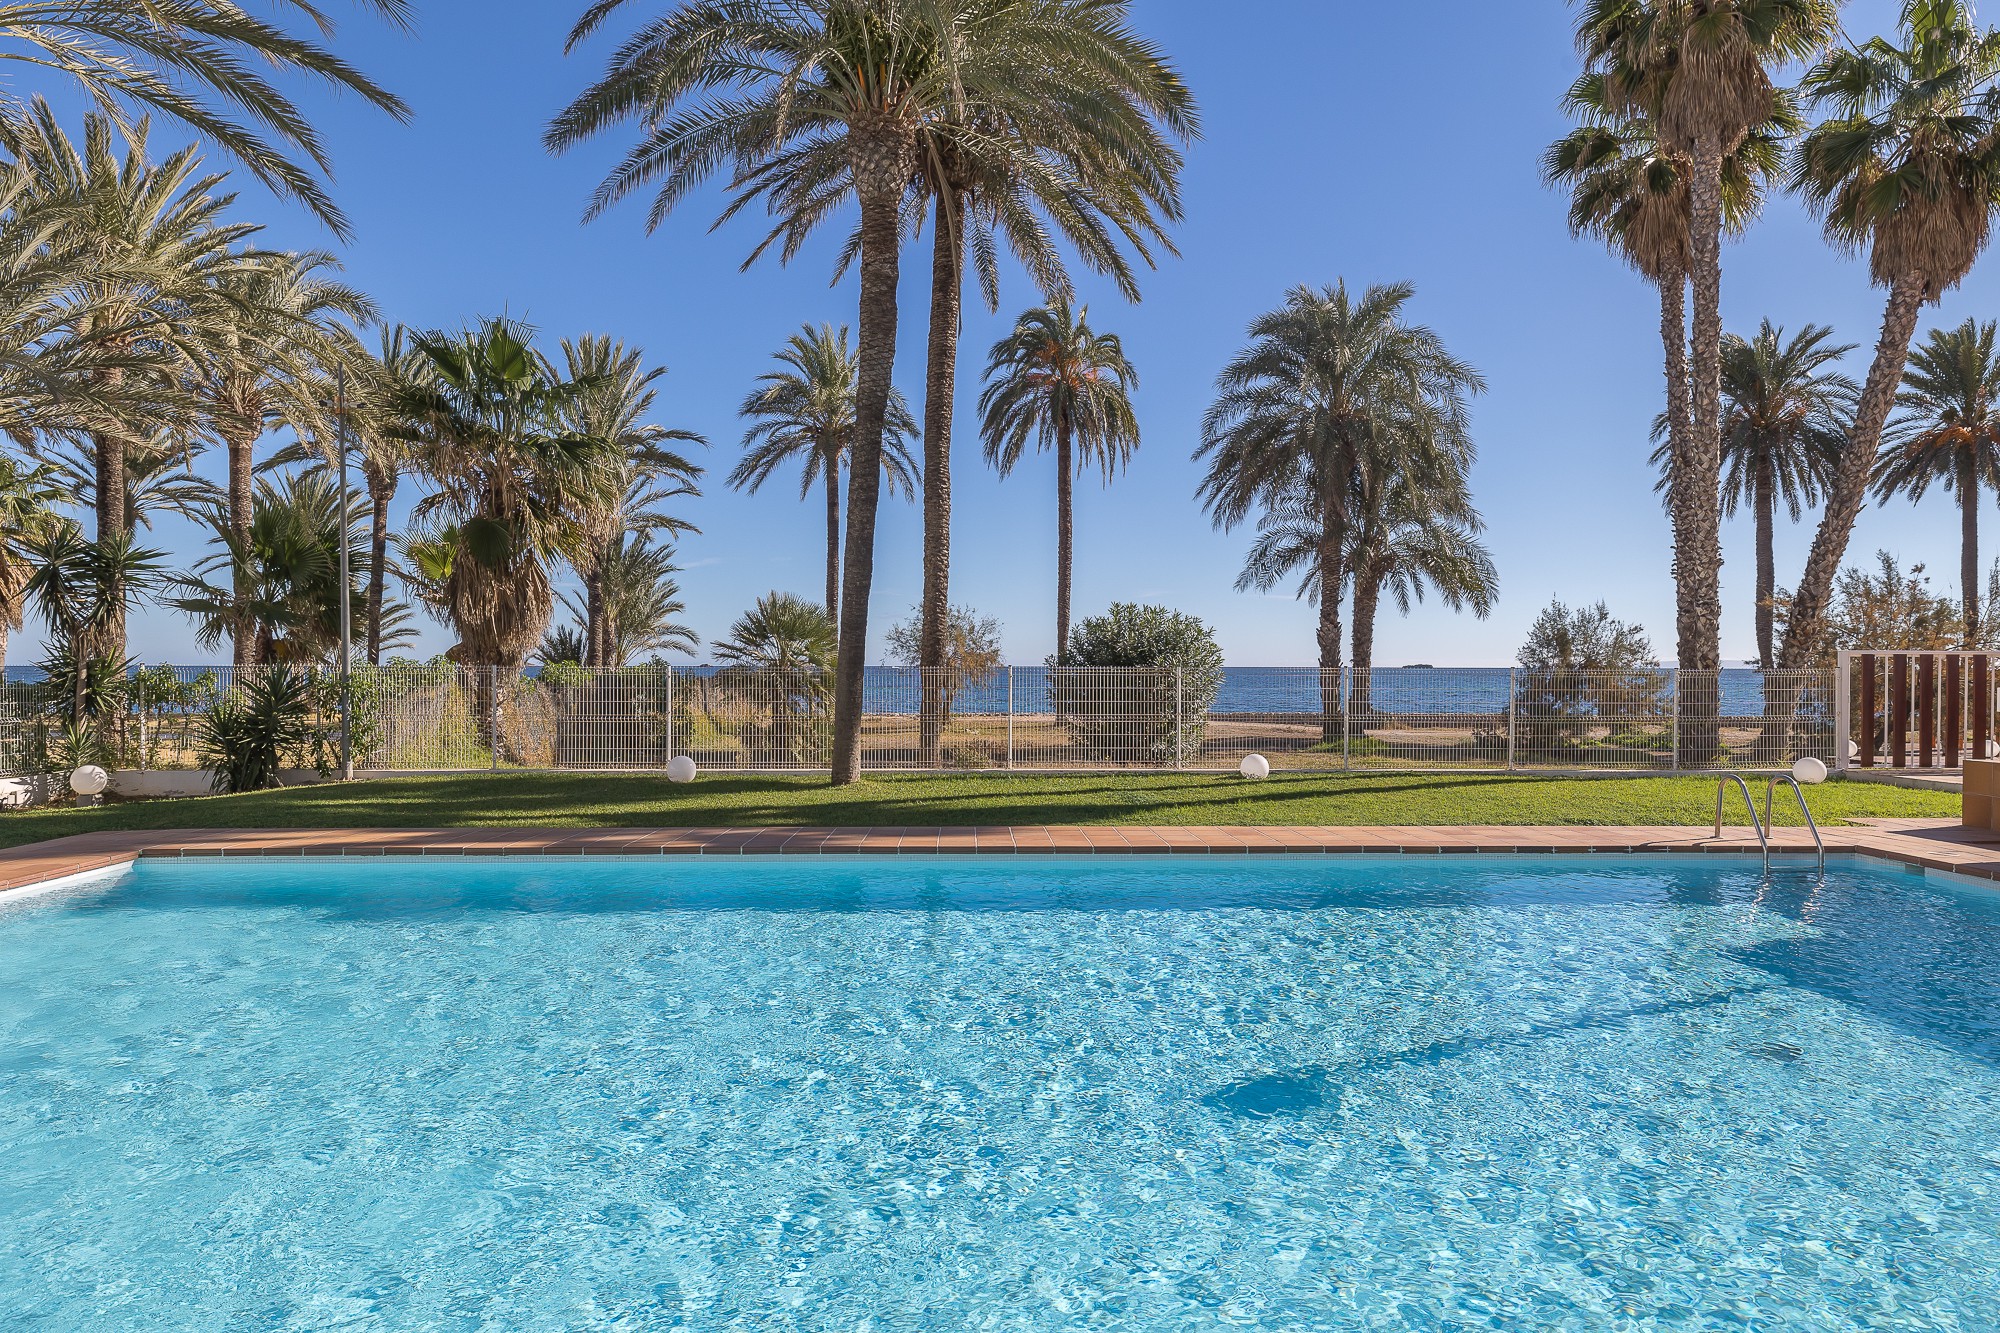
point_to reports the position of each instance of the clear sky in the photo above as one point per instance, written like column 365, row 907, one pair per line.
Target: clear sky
column 1342, row 140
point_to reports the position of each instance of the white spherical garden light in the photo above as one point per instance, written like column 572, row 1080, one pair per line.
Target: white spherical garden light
column 89, row 780
column 681, row 768
column 1255, row 767
column 1809, row 771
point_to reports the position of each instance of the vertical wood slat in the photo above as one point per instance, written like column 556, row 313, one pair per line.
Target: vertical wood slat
column 1926, row 711
column 1982, row 705
column 1866, row 758
column 1899, row 710
column 1954, row 708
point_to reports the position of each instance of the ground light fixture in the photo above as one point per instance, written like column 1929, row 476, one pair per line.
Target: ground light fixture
column 1809, row 771
column 1255, row 767
column 89, row 782
column 681, row 768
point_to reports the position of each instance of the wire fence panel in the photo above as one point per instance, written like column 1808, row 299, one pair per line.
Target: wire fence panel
column 438, row 716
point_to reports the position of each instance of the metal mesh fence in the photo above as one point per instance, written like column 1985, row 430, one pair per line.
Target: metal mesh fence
column 442, row 717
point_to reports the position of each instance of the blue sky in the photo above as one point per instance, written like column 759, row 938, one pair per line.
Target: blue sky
column 1341, row 141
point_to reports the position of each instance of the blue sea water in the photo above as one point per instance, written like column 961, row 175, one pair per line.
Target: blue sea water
column 1373, row 1093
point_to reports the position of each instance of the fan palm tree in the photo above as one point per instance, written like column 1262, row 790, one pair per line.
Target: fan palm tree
column 648, row 472
column 1950, row 433
column 29, row 497
column 1068, row 387
column 804, row 415
column 513, row 487
column 793, row 92
column 639, row 604
column 1785, row 414
column 1700, row 72
column 1629, row 190
column 1333, row 400
column 281, row 329
column 1907, row 168
column 197, row 61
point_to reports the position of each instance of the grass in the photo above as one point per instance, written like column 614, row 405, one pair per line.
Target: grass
column 642, row 800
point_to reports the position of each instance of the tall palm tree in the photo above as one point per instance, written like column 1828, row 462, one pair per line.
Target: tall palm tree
column 1629, row 190
column 513, row 487
column 804, row 415
column 811, row 101
column 29, row 497
column 1907, row 168
column 1700, row 71
column 1332, row 397
column 638, row 603
column 648, row 472
column 1785, row 414
column 1950, row 432
column 198, row 61
column 280, row 330
column 1068, row 387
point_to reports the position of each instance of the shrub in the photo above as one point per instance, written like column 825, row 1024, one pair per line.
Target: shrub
column 1583, row 668
column 1154, row 709
column 247, row 737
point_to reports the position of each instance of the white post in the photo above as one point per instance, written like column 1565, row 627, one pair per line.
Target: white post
column 1513, row 694
column 1180, row 718
column 1674, row 724
column 1010, row 717
column 1843, row 692
column 1345, row 690
column 670, row 712
column 346, row 598
column 493, row 720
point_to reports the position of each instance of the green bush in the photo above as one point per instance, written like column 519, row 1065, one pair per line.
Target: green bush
column 1154, row 710
column 246, row 738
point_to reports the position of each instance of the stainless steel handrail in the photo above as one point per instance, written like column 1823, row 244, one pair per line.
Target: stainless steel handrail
column 1770, row 788
column 1749, row 803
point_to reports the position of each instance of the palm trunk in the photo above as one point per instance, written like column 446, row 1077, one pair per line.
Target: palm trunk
column 1065, row 533
column 1766, row 501
column 240, row 443
column 833, row 538
column 1367, row 601
column 381, row 490
column 1806, row 627
column 1674, row 340
column 1698, row 563
column 1968, row 545
column 596, row 634
column 1332, row 581
column 111, row 526
column 940, row 395
column 881, row 162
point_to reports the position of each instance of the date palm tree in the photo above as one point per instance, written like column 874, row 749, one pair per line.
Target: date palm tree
column 1949, row 432
column 1334, row 396
column 202, row 63
column 1907, row 169
column 814, row 101
column 1056, row 380
column 1700, row 72
column 638, row 604
column 29, row 497
column 1629, row 190
column 804, row 415
column 648, row 473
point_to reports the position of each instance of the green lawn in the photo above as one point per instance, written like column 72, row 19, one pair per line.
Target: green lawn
column 629, row 800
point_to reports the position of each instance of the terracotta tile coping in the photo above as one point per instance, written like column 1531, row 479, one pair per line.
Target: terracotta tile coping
column 1928, row 844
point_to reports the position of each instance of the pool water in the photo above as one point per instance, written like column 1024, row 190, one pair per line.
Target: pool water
column 1354, row 1093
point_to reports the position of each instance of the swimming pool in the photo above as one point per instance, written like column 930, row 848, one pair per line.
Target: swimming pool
column 1345, row 1093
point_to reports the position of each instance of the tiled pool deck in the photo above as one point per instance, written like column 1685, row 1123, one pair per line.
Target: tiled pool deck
column 1933, row 844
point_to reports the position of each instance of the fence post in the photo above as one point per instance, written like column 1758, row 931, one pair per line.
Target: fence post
column 1674, row 719
column 1180, row 718
column 140, row 694
column 1843, row 698
column 1346, row 692
column 493, row 720
column 1513, row 695
column 1010, row 717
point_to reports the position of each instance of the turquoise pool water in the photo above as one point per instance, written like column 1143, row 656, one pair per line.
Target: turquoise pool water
column 1379, row 1093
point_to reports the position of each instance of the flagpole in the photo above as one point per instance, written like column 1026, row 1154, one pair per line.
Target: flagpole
column 346, row 599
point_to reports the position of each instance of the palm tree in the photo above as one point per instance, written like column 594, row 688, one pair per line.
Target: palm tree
column 1950, row 432
column 81, row 588
column 1785, row 414
column 1700, row 72
column 1334, row 397
column 513, row 488
column 647, row 472
column 804, row 415
column 280, row 331
column 1630, row 191
column 639, row 603
column 1069, row 387
column 811, row 101
column 28, row 500
column 192, row 60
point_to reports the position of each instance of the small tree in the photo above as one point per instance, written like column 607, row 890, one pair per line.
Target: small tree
column 779, row 658
column 971, row 650
column 1582, row 666
column 1893, row 608
column 1154, row 710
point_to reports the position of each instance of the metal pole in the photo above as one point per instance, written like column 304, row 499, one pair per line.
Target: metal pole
column 1843, row 700
column 1010, row 717
column 1180, row 720
column 1513, row 698
column 1674, row 723
column 1344, row 688
column 493, row 720
column 346, row 598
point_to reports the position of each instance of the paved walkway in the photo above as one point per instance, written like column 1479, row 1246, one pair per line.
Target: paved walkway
column 1925, row 843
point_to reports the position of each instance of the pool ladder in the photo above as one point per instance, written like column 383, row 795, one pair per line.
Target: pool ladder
column 1761, row 826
